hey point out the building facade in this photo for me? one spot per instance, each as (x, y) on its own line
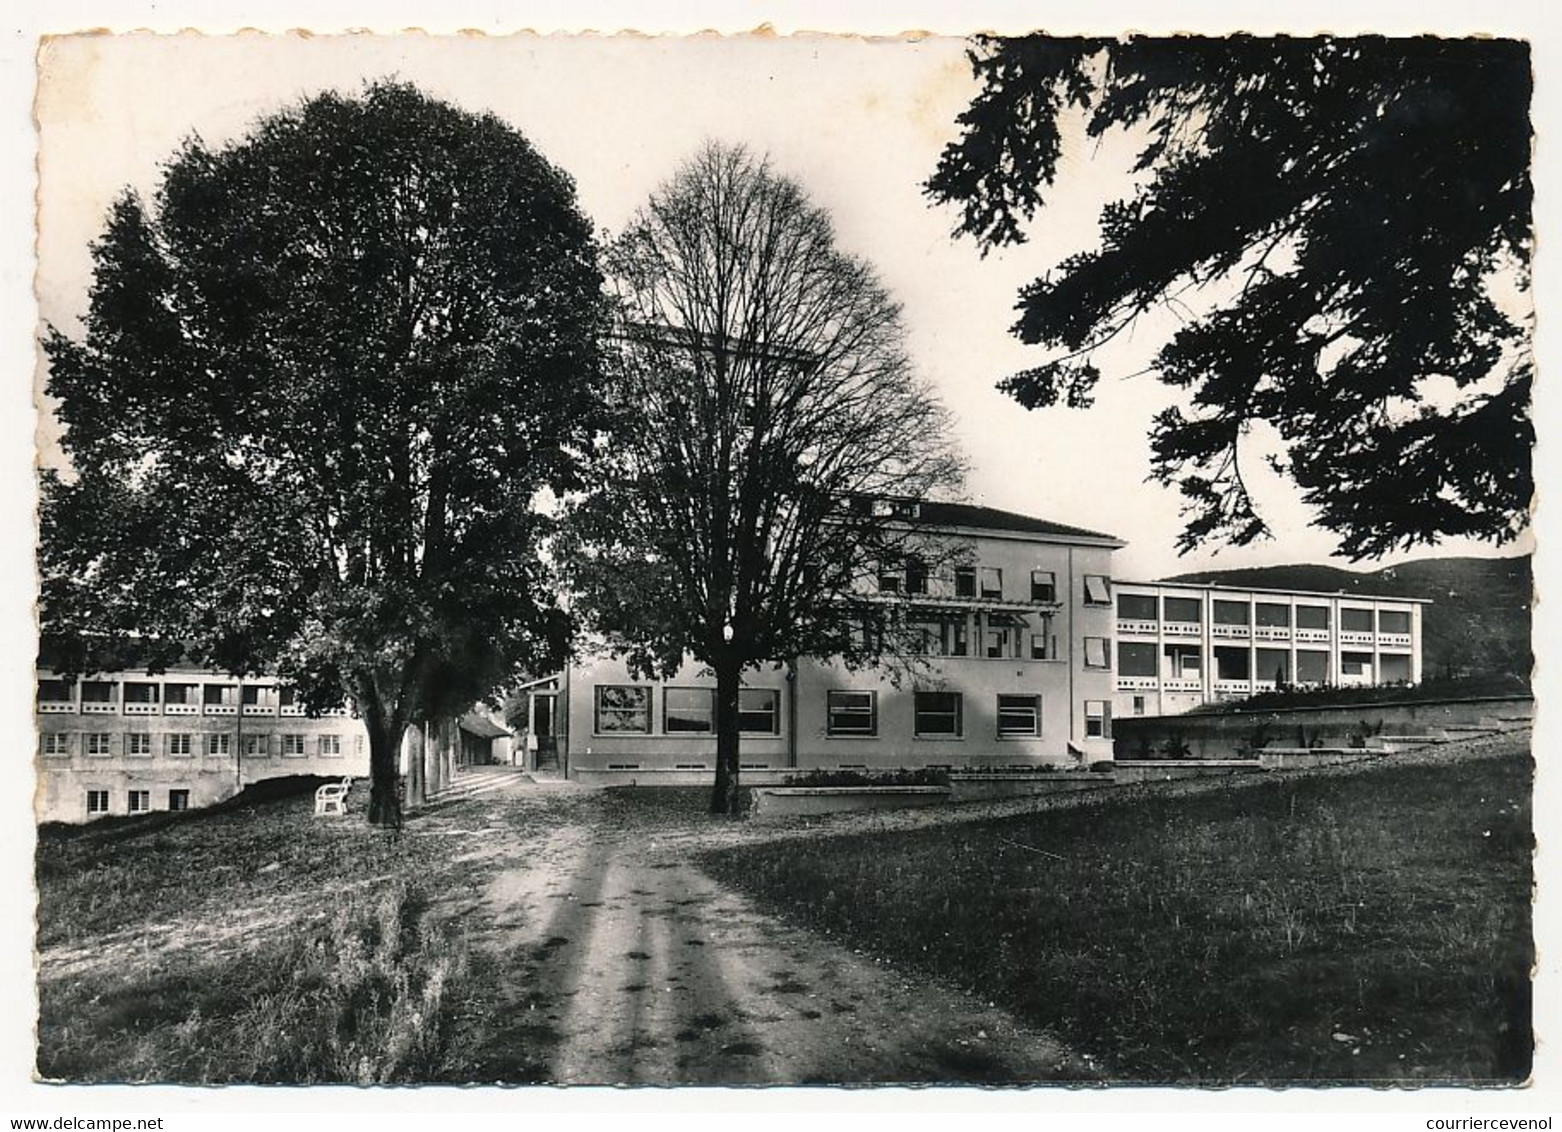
(1011, 666)
(128, 742)
(1179, 646)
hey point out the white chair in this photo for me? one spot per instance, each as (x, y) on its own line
(332, 797)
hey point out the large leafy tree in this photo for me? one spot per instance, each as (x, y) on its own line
(765, 414)
(1353, 209)
(325, 378)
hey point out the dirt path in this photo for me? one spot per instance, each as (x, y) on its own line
(617, 963)
(612, 960)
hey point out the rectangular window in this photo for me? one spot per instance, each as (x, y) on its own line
(1312, 616)
(1273, 664)
(257, 746)
(623, 709)
(1136, 658)
(1184, 610)
(925, 638)
(1232, 664)
(139, 744)
(1355, 620)
(54, 692)
(889, 581)
(139, 801)
(1043, 585)
(330, 746)
(287, 697)
(852, 714)
(100, 743)
(97, 691)
(1393, 621)
(1096, 655)
(1230, 612)
(219, 744)
(759, 711)
(55, 743)
(177, 694)
(1312, 666)
(1039, 649)
(937, 715)
(179, 743)
(959, 645)
(1019, 716)
(140, 692)
(1183, 662)
(97, 801)
(1137, 607)
(916, 576)
(293, 745)
(1138, 705)
(965, 581)
(1356, 663)
(689, 711)
(1272, 614)
(998, 642)
(220, 695)
(1098, 719)
(1098, 589)
(992, 582)
(178, 800)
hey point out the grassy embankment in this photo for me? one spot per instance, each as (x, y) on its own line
(252, 943)
(1363, 928)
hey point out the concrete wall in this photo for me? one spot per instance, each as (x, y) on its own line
(1220, 736)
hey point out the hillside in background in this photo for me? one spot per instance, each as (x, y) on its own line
(1478, 624)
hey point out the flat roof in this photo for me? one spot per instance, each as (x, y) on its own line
(1288, 593)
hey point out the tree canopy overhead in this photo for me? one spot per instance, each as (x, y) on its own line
(761, 386)
(325, 375)
(1357, 205)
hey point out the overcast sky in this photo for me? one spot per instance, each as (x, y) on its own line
(859, 124)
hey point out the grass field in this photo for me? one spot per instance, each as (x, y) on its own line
(318, 960)
(1365, 928)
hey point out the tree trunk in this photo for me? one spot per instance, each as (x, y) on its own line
(724, 799)
(384, 777)
(417, 793)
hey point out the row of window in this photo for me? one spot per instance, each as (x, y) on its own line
(1140, 658)
(174, 693)
(1266, 614)
(625, 709)
(136, 801)
(1002, 636)
(987, 582)
(219, 744)
(941, 715)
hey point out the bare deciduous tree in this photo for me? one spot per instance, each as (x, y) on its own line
(766, 418)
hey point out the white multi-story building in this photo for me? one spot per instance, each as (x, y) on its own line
(1181, 645)
(1013, 667)
(129, 742)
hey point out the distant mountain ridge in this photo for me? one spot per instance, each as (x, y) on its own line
(1477, 625)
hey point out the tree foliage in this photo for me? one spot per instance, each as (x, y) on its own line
(1356, 205)
(763, 402)
(324, 377)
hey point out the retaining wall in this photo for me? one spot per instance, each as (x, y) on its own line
(1216, 736)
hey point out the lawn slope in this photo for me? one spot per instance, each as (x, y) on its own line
(1372, 927)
